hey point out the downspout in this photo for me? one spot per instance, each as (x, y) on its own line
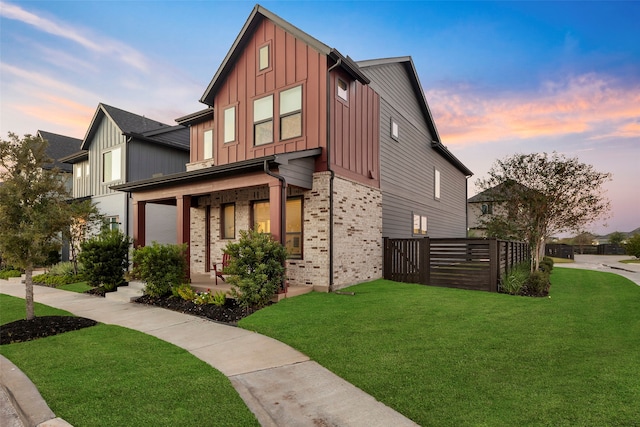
(331, 172)
(127, 194)
(283, 207)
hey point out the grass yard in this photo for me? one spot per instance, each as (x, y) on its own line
(112, 376)
(450, 357)
(79, 287)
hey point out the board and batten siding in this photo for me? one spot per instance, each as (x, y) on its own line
(407, 166)
(292, 63)
(81, 180)
(106, 137)
(147, 160)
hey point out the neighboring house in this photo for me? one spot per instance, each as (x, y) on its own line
(326, 154)
(60, 146)
(121, 147)
(482, 207)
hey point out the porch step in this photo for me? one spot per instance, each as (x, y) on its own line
(127, 293)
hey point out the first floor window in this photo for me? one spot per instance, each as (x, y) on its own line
(111, 165)
(229, 221)
(263, 120)
(291, 113)
(112, 222)
(293, 227)
(293, 240)
(208, 144)
(419, 224)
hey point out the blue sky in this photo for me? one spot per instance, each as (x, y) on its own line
(500, 77)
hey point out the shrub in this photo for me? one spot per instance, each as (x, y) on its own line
(546, 265)
(632, 247)
(219, 298)
(52, 280)
(5, 274)
(256, 268)
(62, 269)
(184, 291)
(512, 282)
(161, 266)
(105, 258)
(538, 283)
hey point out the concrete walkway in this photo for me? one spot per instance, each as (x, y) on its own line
(608, 263)
(280, 385)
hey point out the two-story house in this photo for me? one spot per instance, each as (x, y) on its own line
(326, 154)
(60, 146)
(121, 147)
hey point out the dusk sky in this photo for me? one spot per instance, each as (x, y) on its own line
(500, 77)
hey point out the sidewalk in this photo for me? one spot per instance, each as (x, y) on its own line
(608, 263)
(280, 385)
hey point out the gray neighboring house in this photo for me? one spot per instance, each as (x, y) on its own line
(121, 147)
(423, 185)
(60, 146)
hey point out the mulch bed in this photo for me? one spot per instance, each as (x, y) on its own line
(41, 327)
(229, 313)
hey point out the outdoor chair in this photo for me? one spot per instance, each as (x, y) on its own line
(219, 271)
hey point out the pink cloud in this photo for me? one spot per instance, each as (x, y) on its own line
(576, 105)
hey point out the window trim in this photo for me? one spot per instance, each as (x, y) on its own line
(204, 144)
(290, 113)
(263, 121)
(266, 45)
(111, 151)
(394, 126)
(301, 232)
(224, 124)
(340, 91)
(223, 224)
(436, 184)
(253, 215)
(422, 224)
(111, 221)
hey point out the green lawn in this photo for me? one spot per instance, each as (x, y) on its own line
(450, 357)
(79, 287)
(112, 376)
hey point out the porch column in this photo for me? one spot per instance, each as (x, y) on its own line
(139, 223)
(277, 210)
(183, 226)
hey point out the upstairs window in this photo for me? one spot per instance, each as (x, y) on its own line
(263, 120)
(395, 130)
(291, 113)
(343, 90)
(230, 124)
(86, 169)
(111, 165)
(263, 58)
(78, 171)
(208, 144)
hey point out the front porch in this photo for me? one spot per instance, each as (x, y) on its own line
(202, 282)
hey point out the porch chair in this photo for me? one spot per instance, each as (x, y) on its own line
(224, 264)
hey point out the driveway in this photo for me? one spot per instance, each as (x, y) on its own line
(609, 263)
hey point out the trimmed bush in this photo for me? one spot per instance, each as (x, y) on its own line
(546, 265)
(538, 283)
(53, 280)
(256, 268)
(162, 267)
(105, 258)
(5, 274)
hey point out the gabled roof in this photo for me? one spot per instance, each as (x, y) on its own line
(197, 117)
(127, 122)
(407, 62)
(59, 147)
(257, 15)
(498, 193)
(173, 136)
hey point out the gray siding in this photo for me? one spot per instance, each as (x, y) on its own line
(147, 160)
(81, 183)
(407, 165)
(107, 136)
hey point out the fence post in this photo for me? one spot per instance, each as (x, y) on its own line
(425, 260)
(386, 262)
(494, 265)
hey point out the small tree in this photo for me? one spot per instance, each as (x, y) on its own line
(85, 218)
(104, 258)
(545, 195)
(617, 237)
(632, 247)
(256, 268)
(161, 266)
(33, 208)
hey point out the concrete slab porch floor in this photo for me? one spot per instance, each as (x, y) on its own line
(280, 385)
(206, 281)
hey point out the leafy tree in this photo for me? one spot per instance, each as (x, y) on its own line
(632, 247)
(546, 195)
(85, 219)
(617, 237)
(104, 258)
(256, 268)
(33, 207)
(583, 239)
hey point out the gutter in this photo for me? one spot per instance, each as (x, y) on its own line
(332, 173)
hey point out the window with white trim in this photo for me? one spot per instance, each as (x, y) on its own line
(436, 186)
(263, 58)
(291, 113)
(208, 144)
(419, 224)
(263, 120)
(78, 170)
(112, 222)
(230, 124)
(111, 165)
(395, 130)
(343, 90)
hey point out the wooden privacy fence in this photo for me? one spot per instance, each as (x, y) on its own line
(476, 264)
